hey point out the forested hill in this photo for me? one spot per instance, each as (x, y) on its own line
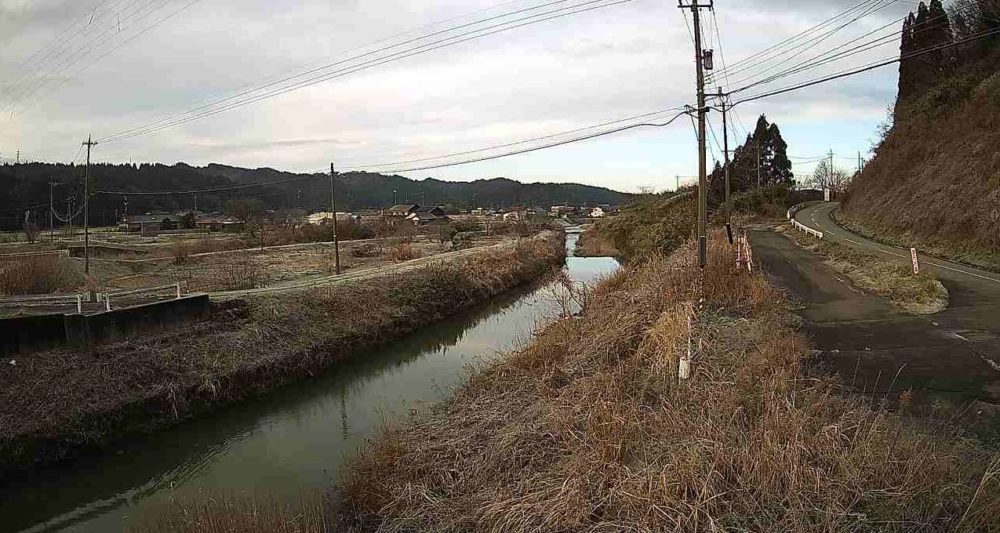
(26, 187)
(935, 180)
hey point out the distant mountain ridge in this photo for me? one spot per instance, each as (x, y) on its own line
(26, 188)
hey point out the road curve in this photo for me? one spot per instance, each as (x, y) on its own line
(955, 352)
(820, 217)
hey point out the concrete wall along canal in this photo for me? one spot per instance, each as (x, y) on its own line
(25, 334)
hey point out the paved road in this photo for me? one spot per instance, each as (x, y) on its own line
(955, 352)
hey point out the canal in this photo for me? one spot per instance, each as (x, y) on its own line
(288, 443)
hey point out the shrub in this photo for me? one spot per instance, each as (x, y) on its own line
(402, 251)
(242, 272)
(38, 275)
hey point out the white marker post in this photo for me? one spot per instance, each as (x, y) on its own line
(916, 264)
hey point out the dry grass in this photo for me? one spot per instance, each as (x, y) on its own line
(56, 401)
(242, 272)
(588, 429)
(401, 251)
(594, 243)
(920, 294)
(935, 181)
(39, 275)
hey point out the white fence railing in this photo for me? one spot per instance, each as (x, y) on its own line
(46, 301)
(175, 289)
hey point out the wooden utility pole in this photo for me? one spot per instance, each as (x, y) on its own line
(725, 149)
(333, 208)
(52, 236)
(86, 209)
(700, 61)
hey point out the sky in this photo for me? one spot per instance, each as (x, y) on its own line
(73, 68)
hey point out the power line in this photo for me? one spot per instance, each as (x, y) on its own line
(866, 68)
(525, 141)
(543, 147)
(135, 36)
(318, 75)
(45, 76)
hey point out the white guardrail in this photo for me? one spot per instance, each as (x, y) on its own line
(790, 215)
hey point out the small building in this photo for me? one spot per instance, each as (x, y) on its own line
(402, 210)
(598, 212)
(562, 211)
(149, 223)
(422, 216)
(324, 218)
(216, 223)
(516, 215)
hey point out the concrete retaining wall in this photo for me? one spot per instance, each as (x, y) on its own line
(26, 334)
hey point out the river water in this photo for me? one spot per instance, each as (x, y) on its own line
(288, 443)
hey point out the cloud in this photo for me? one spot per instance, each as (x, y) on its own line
(562, 74)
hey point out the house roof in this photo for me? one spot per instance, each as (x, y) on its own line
(426, 215)
(151, 218)
(403, 208)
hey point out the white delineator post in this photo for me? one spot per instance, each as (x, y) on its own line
(684, 365)
(916, 263)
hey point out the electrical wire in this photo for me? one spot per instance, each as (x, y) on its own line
(323, 74)
(866, 68)
(525, 141)
(65, 79)
(80, 52)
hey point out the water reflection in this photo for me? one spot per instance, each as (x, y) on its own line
(284, 443)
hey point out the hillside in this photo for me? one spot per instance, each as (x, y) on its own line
(935, 180)
(26, 188)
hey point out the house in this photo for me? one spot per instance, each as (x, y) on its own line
(149, 223)
(402, 210)
(537, 212)
(516, 214)
(324, 217)
(214, 223)
(562, 210)
(422, 216)
(598, 212)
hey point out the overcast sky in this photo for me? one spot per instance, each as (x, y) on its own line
(555, 76)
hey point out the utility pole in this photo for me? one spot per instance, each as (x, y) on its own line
(52, 184)
(86, 209)
(700, 60)
(725, 149)
(333, 208)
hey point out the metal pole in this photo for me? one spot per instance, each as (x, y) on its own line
(333, 208)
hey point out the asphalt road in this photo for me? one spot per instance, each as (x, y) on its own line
(877, 349)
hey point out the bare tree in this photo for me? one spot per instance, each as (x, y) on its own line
(31, 232)
(828, 177)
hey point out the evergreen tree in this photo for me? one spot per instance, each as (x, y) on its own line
(764, 148)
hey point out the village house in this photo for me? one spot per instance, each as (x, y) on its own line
(401, 210)
(324, 218)
(149, 223)
(422, 216)
(216, 223)
(562, 210)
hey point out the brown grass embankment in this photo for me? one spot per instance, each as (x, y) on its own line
(588, 429)
(916, 294)
(595, 243)
(934, 183)
(57, 401)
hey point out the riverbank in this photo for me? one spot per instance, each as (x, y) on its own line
(58, 402)
(588, 428)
